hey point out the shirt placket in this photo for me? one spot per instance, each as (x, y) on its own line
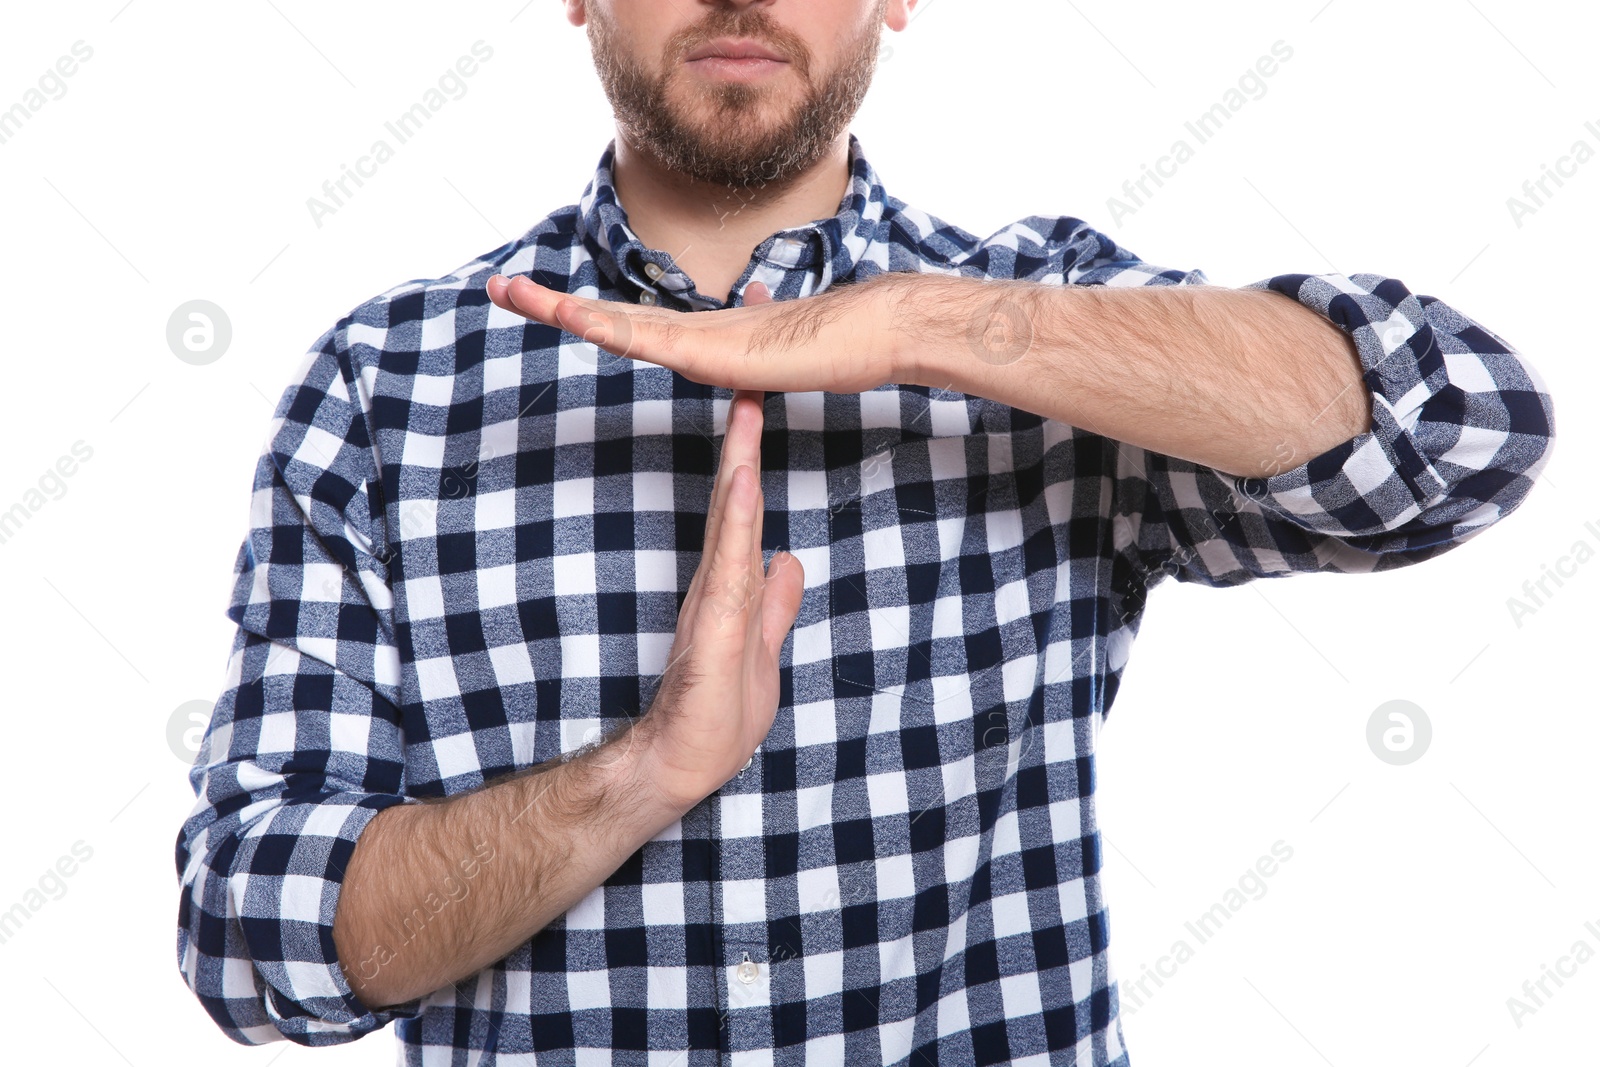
(746, 967)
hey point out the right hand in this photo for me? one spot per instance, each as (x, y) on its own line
(719, 696)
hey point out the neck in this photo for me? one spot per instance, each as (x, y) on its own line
(710, 230)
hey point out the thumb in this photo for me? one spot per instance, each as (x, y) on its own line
(780, 599)
(757, 293)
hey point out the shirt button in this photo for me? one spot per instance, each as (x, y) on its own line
(647, 297)
(654, 271)
(749, 970)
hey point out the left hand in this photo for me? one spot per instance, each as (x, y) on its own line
(840, 341)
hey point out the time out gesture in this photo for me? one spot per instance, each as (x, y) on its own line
(1246, 381)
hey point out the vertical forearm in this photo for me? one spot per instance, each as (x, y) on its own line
(437, 891)
(490, 868)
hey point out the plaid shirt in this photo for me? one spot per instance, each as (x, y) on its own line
(469, 537)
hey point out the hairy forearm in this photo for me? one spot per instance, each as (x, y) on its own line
(1245, 381)
(435, 892)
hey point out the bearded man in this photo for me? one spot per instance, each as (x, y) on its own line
(681, 635)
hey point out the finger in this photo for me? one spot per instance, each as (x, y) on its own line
(754, 462)
(496, 287)
(757, 293)
(719, 483)
(729, 585)
(756, 576)
(609, 324)
(738, 411)
(741, 444)
(755, 544)
(780, 600)
(521, 295)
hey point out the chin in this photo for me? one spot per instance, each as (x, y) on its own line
(766, 104)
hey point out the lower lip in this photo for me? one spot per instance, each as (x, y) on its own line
(746, 68)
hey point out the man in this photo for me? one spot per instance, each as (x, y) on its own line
(551, 735)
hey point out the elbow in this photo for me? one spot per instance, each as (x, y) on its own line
(229, 991)
(240, 996)
(255, 951)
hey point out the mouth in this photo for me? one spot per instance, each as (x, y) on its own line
(735, 58)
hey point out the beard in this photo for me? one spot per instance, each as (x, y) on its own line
(728, 135)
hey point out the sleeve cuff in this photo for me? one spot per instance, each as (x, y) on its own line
(1379, 480)
(287, 889)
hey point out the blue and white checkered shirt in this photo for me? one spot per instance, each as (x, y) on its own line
(469, 537)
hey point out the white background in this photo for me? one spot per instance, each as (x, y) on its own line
(1419, 898)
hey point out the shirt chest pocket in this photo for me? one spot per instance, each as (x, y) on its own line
(927, 594)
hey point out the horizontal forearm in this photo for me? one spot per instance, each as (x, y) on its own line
(1244, 381)
(437, 891)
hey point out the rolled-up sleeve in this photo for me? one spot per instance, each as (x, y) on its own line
(1462, 426)
(305, 744)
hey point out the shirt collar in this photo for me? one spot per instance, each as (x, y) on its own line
(817, 252)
